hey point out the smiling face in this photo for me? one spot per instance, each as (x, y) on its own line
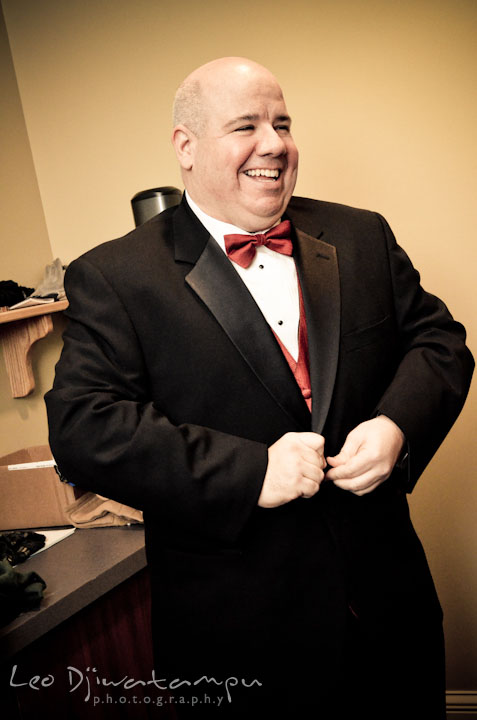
(241, 167)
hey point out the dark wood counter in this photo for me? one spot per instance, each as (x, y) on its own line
(93, 624)
(78, 570)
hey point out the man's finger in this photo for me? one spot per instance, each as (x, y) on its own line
(361, 485)
(351, 469)
(313, 457)
(310, 488)
(312, 471)
(339, 459)
(312, 440)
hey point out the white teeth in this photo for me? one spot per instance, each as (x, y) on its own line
(263, 173)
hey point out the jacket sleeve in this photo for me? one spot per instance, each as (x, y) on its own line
(433, 376)
(108, 436)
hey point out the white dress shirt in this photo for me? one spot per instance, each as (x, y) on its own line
(270, 278)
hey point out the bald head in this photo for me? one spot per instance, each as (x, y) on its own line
(194, 94)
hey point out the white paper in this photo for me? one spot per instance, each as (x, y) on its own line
(32, 465)
(53, 536)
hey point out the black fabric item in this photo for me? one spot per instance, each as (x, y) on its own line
(12, 293)
(17, 546)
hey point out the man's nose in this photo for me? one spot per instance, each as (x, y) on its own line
(270, 142)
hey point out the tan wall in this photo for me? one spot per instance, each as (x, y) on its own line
(25, 251)
(383, 97)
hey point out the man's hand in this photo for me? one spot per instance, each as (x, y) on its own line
(367, 457)
(295, 469)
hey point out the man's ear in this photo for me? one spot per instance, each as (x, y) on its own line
(183, 140)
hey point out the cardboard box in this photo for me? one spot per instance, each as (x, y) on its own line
(33, 497)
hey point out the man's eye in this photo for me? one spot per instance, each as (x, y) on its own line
(244, 128)
(282, 128)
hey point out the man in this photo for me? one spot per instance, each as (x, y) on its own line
(279, 540)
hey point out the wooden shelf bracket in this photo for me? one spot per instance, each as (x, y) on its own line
(19, 330)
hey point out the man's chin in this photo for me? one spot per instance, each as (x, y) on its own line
(262, 216)
(258, 222)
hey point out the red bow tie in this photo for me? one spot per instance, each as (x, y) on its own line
(241, 248)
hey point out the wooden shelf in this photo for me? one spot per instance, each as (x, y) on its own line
(20, 330)
(7, 316)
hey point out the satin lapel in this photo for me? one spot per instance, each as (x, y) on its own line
(317, 268)
(215, 281)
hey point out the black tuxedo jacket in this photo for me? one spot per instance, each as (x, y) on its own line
(171, 386)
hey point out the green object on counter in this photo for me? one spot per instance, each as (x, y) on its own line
(19, 591)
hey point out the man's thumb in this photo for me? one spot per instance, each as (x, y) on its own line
(339, 459)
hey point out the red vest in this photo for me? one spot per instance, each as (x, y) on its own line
(300, 367)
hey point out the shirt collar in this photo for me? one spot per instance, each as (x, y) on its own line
(217, 228)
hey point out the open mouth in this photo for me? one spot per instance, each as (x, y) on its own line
(264, 173)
